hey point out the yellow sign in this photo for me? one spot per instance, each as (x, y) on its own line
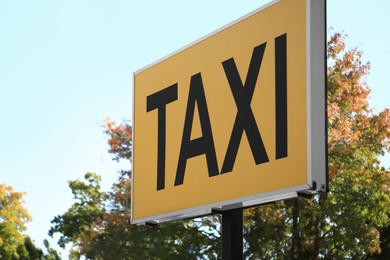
(235, 119)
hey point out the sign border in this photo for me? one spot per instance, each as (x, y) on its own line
(316, 89)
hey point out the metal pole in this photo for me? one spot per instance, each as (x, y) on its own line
(232, 234)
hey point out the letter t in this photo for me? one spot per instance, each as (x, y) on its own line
(159, 101)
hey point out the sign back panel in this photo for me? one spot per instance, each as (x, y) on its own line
(235, 119)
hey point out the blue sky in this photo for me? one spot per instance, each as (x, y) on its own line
(67, 65)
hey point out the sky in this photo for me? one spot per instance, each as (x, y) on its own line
(67, 65)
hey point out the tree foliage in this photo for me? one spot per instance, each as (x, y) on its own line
(13, 220)
(78, 224)
(346, 222)
(14, 244)
(98, 223)
(351, 221)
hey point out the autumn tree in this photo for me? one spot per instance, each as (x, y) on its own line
(98, 223)
(78, 224)
(346, 222)
(14, 244)
(13, 220)
(351, 221)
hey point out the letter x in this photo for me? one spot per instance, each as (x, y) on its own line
(245, 120)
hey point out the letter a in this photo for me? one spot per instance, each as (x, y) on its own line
(205, 143)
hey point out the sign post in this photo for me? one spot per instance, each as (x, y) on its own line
(234, 120)
(232, 234)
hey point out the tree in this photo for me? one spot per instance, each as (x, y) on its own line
(52, 254)
(357, 206)
(178, 239)
(77, 225)
(100, 228)
(346, 222)
(13, 219)
(98, 223)
(351, 221)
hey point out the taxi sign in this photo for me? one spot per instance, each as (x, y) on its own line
(235, 119)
